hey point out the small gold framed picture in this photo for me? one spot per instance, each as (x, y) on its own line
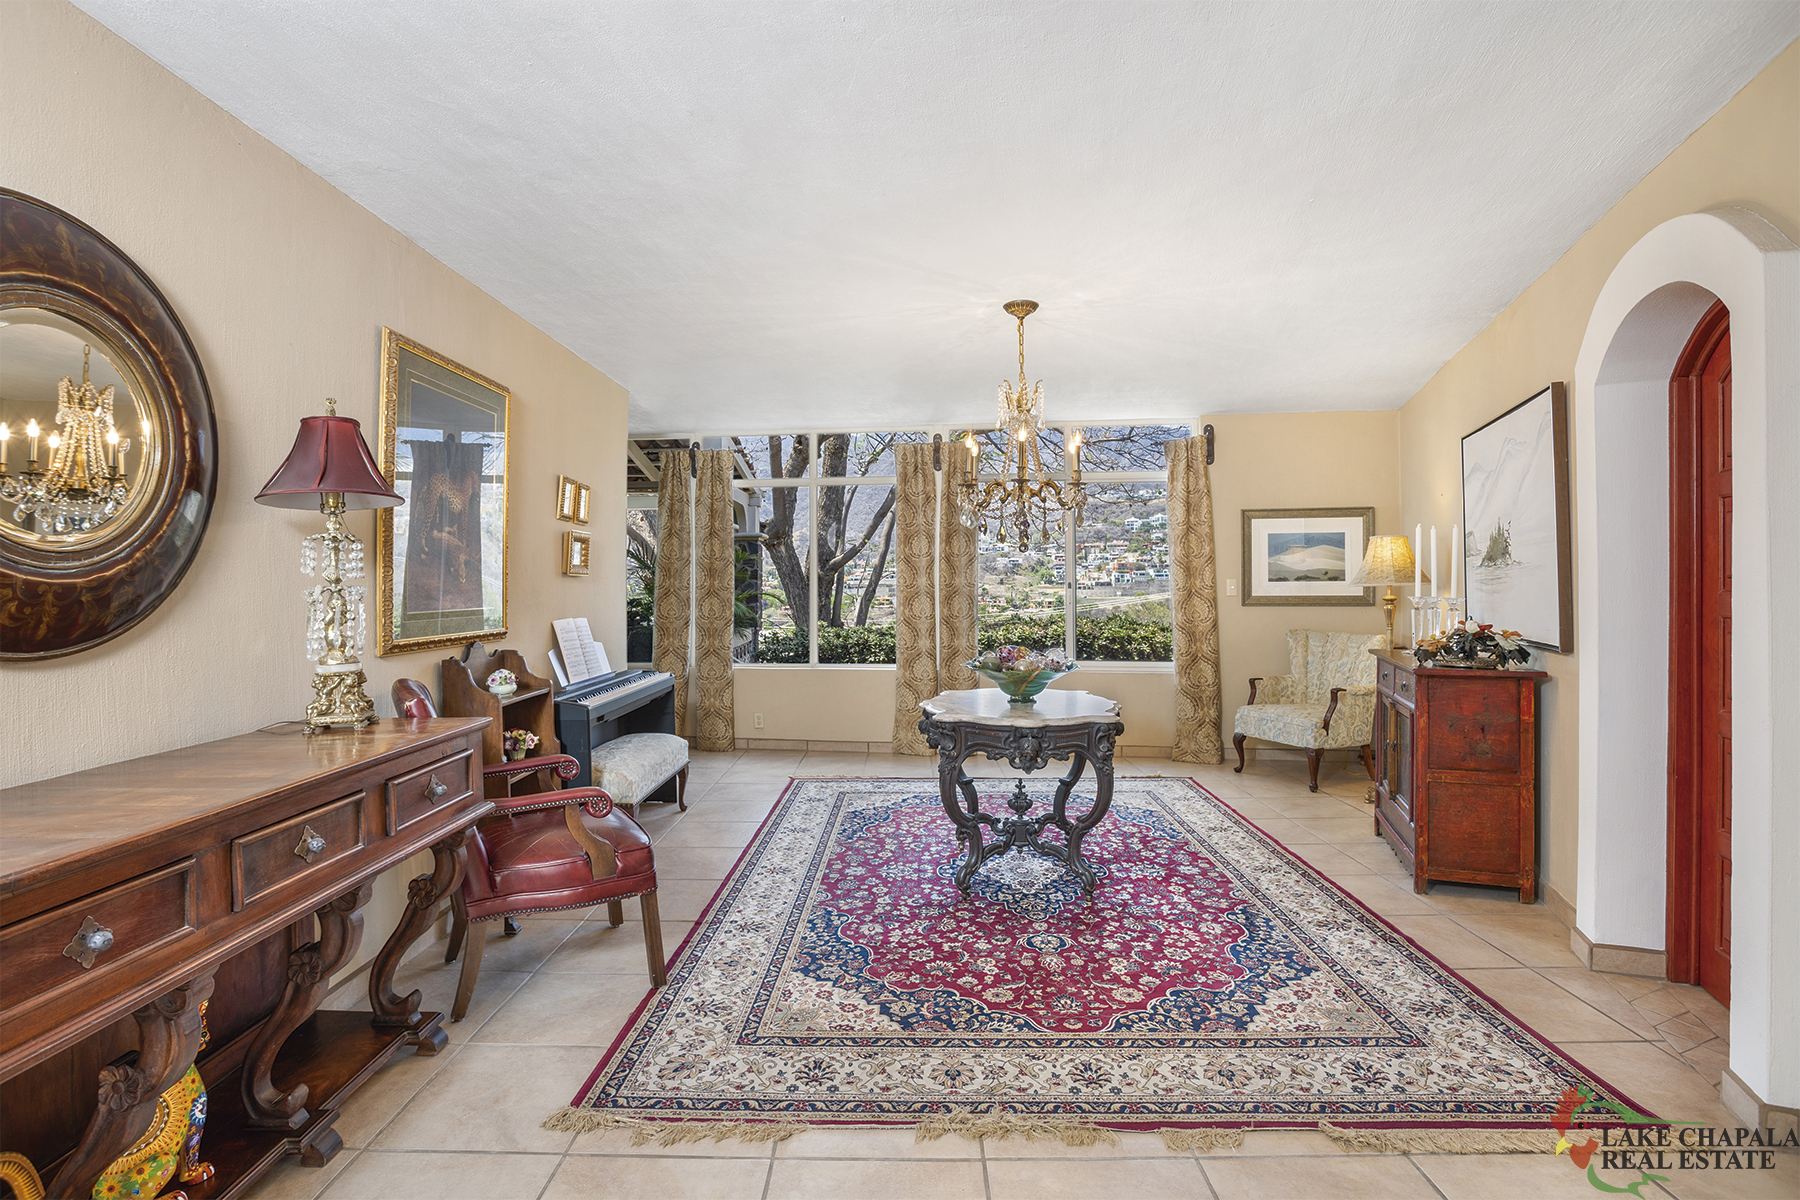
(571, 499)
(577, 557)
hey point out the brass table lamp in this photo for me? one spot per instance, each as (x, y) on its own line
(1387, 561)
(330, 466)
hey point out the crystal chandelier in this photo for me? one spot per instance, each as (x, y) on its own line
(84, 485)
(1029, 496)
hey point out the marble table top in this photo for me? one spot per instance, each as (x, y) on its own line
(989, 706)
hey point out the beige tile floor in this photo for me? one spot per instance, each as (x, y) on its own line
(466, 1123)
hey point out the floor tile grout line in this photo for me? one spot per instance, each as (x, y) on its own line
(1429, 1181)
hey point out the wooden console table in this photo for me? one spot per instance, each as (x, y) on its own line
(1456, 772)
(233, 871)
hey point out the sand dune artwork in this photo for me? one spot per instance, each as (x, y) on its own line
(1304, 556)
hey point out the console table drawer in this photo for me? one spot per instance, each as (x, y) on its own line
(424, 791)
(280, 854)
(128, 921)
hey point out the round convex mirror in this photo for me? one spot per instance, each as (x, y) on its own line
(108, 448)
(78, 453)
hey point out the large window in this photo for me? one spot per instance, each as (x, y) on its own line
(817, 580)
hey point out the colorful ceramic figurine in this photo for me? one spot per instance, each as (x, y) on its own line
(170, 1148)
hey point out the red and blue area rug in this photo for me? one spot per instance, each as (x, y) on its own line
(1213, 983)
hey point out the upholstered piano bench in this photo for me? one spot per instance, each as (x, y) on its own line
(631, 768)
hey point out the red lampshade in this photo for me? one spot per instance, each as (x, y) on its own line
(329, 455)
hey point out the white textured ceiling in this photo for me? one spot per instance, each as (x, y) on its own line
(760, 215)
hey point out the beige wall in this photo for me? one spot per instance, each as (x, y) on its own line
(283, 284)
(1748, 154)
(1280, 460)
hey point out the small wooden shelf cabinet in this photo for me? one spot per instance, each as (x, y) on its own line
(532, 707)
(1456, 772)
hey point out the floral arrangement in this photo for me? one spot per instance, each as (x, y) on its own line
(1018, 658)
(1020, 673)
(518, 743)
(502, 682)
(1472, 644)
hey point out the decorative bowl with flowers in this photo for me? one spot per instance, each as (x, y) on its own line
(1020, 673)
(1472, 644)
(518, 743)
(502, 683)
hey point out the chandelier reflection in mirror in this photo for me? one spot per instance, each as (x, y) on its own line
(1028, 497)
(84, 484)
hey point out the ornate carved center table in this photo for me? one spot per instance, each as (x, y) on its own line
(1061, 724)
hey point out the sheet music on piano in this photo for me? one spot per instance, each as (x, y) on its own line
(583, 658)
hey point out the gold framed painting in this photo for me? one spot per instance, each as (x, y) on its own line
(577, 553)
(572, 500)
(1304, 557)
(440, 558)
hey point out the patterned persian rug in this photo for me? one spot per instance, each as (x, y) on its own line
(1214, 983)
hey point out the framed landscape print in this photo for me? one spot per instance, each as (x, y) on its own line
(440, 557)
(1304, 556)
(1517, 549)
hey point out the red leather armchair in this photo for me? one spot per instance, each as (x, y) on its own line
(549, 850)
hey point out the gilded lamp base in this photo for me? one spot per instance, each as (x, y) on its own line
(339, 699)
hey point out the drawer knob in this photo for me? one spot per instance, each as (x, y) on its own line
(90, 942)
(311, 844)
(437, 787)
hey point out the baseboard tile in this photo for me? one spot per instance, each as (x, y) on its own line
(1754, 1111)
(1618, 960)
(815, 747)
(1559, 906)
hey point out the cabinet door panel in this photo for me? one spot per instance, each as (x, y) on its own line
(1474, 827)
(1475, 729)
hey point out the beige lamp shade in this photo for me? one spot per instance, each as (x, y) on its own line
(1388, 560)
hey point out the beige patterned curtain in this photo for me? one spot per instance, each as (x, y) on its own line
(714, 593)
(1196, 604)
(674, 535)
(915, 599)
(956, 576)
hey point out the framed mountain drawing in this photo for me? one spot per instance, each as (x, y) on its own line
(1517, 548)
(1304, 556)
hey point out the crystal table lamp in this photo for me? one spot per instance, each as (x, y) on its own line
(1387, 561)
(330, 466)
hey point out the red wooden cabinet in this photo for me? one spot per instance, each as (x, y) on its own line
(1456, 772)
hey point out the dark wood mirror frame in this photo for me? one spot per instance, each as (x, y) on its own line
(55, 602)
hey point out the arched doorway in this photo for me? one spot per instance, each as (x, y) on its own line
(1698, 926)
(1642, 318)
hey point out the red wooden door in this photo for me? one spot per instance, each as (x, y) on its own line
(1700, 663)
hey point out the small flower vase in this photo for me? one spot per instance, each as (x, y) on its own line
(516, 753)
(504, 690)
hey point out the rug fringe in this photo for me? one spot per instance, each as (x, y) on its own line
(1001, 1126)
(670, 1133)
(1181, 1141)
(1443, 1141)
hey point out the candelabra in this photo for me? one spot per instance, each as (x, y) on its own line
(1030, 492)
(1432, 615)
(84, 485)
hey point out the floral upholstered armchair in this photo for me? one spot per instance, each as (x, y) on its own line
(1327, 702)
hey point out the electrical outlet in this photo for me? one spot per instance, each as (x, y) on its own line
(759, 720)
(1231, 587)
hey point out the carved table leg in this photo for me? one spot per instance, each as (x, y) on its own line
(168, 1039)
(951, 781)
(309, 971)
(422, 895)
(1065, 786)
(1101, 756)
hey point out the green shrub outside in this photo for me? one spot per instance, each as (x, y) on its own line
(1115, 637)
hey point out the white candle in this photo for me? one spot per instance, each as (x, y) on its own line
(1418, 559)
(1434, 563)
(1456, 553)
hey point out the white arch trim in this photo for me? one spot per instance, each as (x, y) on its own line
(1620, 416)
